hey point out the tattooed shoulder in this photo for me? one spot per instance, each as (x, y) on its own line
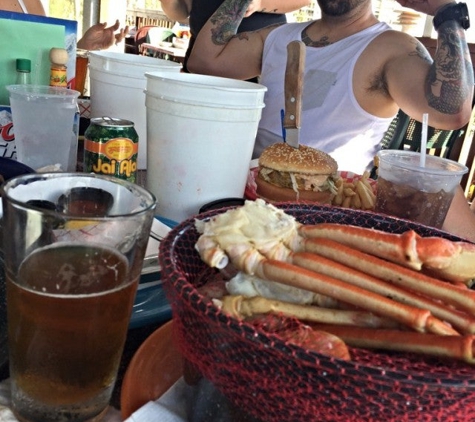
(421, 52)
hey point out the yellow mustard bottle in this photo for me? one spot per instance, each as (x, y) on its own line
(58, 74)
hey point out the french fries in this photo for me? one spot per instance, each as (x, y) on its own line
(357, 194)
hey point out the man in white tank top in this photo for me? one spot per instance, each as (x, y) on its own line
(359, 73)
(328, 96)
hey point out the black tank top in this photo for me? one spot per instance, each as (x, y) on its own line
(202, 10)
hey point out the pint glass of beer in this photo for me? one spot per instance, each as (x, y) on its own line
(74, 246)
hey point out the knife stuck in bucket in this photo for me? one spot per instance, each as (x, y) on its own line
(294, 78)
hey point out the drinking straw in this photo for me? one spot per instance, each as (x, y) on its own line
(425, 119)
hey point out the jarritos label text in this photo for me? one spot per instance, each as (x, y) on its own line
(116, 157)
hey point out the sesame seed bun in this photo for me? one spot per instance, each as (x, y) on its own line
(282, 157)
(301, 174)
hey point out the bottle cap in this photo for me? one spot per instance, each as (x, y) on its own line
(58, 56)
(23, 65)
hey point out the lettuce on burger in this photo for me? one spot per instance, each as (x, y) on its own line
(290, 174)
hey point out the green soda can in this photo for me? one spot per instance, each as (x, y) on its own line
(111, 147)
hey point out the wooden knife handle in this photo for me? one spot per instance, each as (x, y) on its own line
(294, 75)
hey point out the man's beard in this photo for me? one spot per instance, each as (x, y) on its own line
(338, 7)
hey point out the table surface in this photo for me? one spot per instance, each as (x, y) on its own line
(166, 53)
(177, 52)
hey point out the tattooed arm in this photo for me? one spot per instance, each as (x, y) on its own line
(275, 6)
(219, 51)
(447, 80)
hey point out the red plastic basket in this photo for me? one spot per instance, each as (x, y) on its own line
(273, 380)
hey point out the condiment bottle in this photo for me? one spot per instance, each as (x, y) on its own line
(58, 75)
(23, 71)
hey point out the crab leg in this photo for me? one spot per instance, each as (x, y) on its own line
(241, 307)
(388, 271)
(242, 253)
(453, 261)
(314, 262)
(318, 341)
(418, 319)
(399, 248)
(211, 253)
(245, 233)
(459, 269)
(458, 347)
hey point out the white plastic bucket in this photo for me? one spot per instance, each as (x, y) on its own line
(117, 84)
(201, 132)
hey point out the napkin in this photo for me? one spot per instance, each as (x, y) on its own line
(185, 403)
(160, 230)
(169, 408)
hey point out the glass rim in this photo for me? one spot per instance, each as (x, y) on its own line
(146, 195)
(45, 91)
(457, 169)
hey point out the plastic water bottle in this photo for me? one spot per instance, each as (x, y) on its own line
(23, 71)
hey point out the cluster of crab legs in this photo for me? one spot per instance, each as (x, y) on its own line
(387, 291)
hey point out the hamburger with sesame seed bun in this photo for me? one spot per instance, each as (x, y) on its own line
(290, 174)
